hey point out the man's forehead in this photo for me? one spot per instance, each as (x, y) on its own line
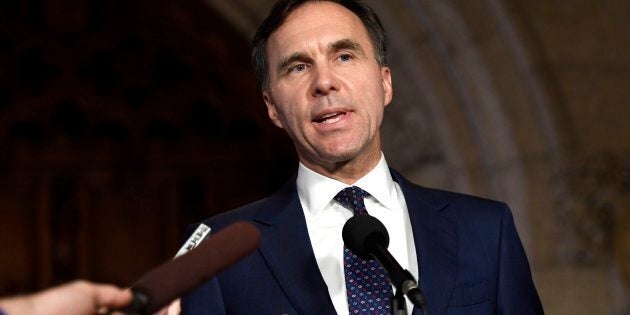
(325, 21)
(310, 9)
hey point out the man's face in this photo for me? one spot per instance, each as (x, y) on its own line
(326, 88)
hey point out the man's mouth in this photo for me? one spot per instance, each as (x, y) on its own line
(330, 118)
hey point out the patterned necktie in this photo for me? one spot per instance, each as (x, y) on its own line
(367, 286)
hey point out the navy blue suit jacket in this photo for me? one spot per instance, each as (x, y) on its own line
(470, 258)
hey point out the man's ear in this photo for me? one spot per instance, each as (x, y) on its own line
(386, 76)
(271, 109)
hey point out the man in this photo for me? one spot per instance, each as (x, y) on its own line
(325, 81)
(75, 298)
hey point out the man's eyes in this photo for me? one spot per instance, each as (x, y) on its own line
(300, 67)
(345, 57)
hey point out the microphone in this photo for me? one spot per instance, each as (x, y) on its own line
(177, 277)
(201, 233)
(367, 237)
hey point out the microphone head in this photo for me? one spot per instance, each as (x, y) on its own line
(175, 278)
(362, 232)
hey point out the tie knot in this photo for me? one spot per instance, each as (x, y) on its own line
(352, 198)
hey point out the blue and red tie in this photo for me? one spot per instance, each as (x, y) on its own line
(367, 286)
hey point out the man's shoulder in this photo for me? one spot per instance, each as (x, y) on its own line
(252, 210)
(450, 201)
(221, 220)
(459, 199)
(468, 213)
(243, 213)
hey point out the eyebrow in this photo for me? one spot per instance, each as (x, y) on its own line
(346, 44)
(285, 62)
(342, 44)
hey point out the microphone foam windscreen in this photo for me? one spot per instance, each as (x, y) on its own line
(361, 231)
(179, 276)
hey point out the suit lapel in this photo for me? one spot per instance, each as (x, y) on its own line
(286, 247)
(435, 238)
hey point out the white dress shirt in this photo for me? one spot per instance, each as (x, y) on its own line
(325, 219)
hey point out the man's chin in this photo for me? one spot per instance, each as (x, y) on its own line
(338, 156)
(336, 160)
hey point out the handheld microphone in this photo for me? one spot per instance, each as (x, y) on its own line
(367, 237)
(177, 277)
(201, 233)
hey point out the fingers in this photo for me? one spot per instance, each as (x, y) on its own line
(98, 298)
(77, 298)
(173, 308)
(110, 296)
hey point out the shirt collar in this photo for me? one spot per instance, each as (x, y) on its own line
(316, 191)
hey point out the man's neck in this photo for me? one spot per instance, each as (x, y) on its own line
(347, 172)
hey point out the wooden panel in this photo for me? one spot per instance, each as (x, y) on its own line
(121, 123)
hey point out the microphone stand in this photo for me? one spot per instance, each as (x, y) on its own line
(399, 305)
(400, 278)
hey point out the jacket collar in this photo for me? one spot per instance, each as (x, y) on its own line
(286, 247)
(283, 226)
(435, 238)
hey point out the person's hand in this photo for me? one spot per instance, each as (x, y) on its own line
(171, 309)
(75, 298)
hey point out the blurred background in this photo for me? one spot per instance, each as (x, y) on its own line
(121, 122)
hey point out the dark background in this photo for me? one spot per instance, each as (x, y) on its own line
(121, 122)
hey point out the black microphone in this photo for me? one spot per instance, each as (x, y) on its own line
(367, 237)
(175, 278)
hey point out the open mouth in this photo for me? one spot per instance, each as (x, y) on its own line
(330, 118)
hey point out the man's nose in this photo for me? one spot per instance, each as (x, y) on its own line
(325, 80)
